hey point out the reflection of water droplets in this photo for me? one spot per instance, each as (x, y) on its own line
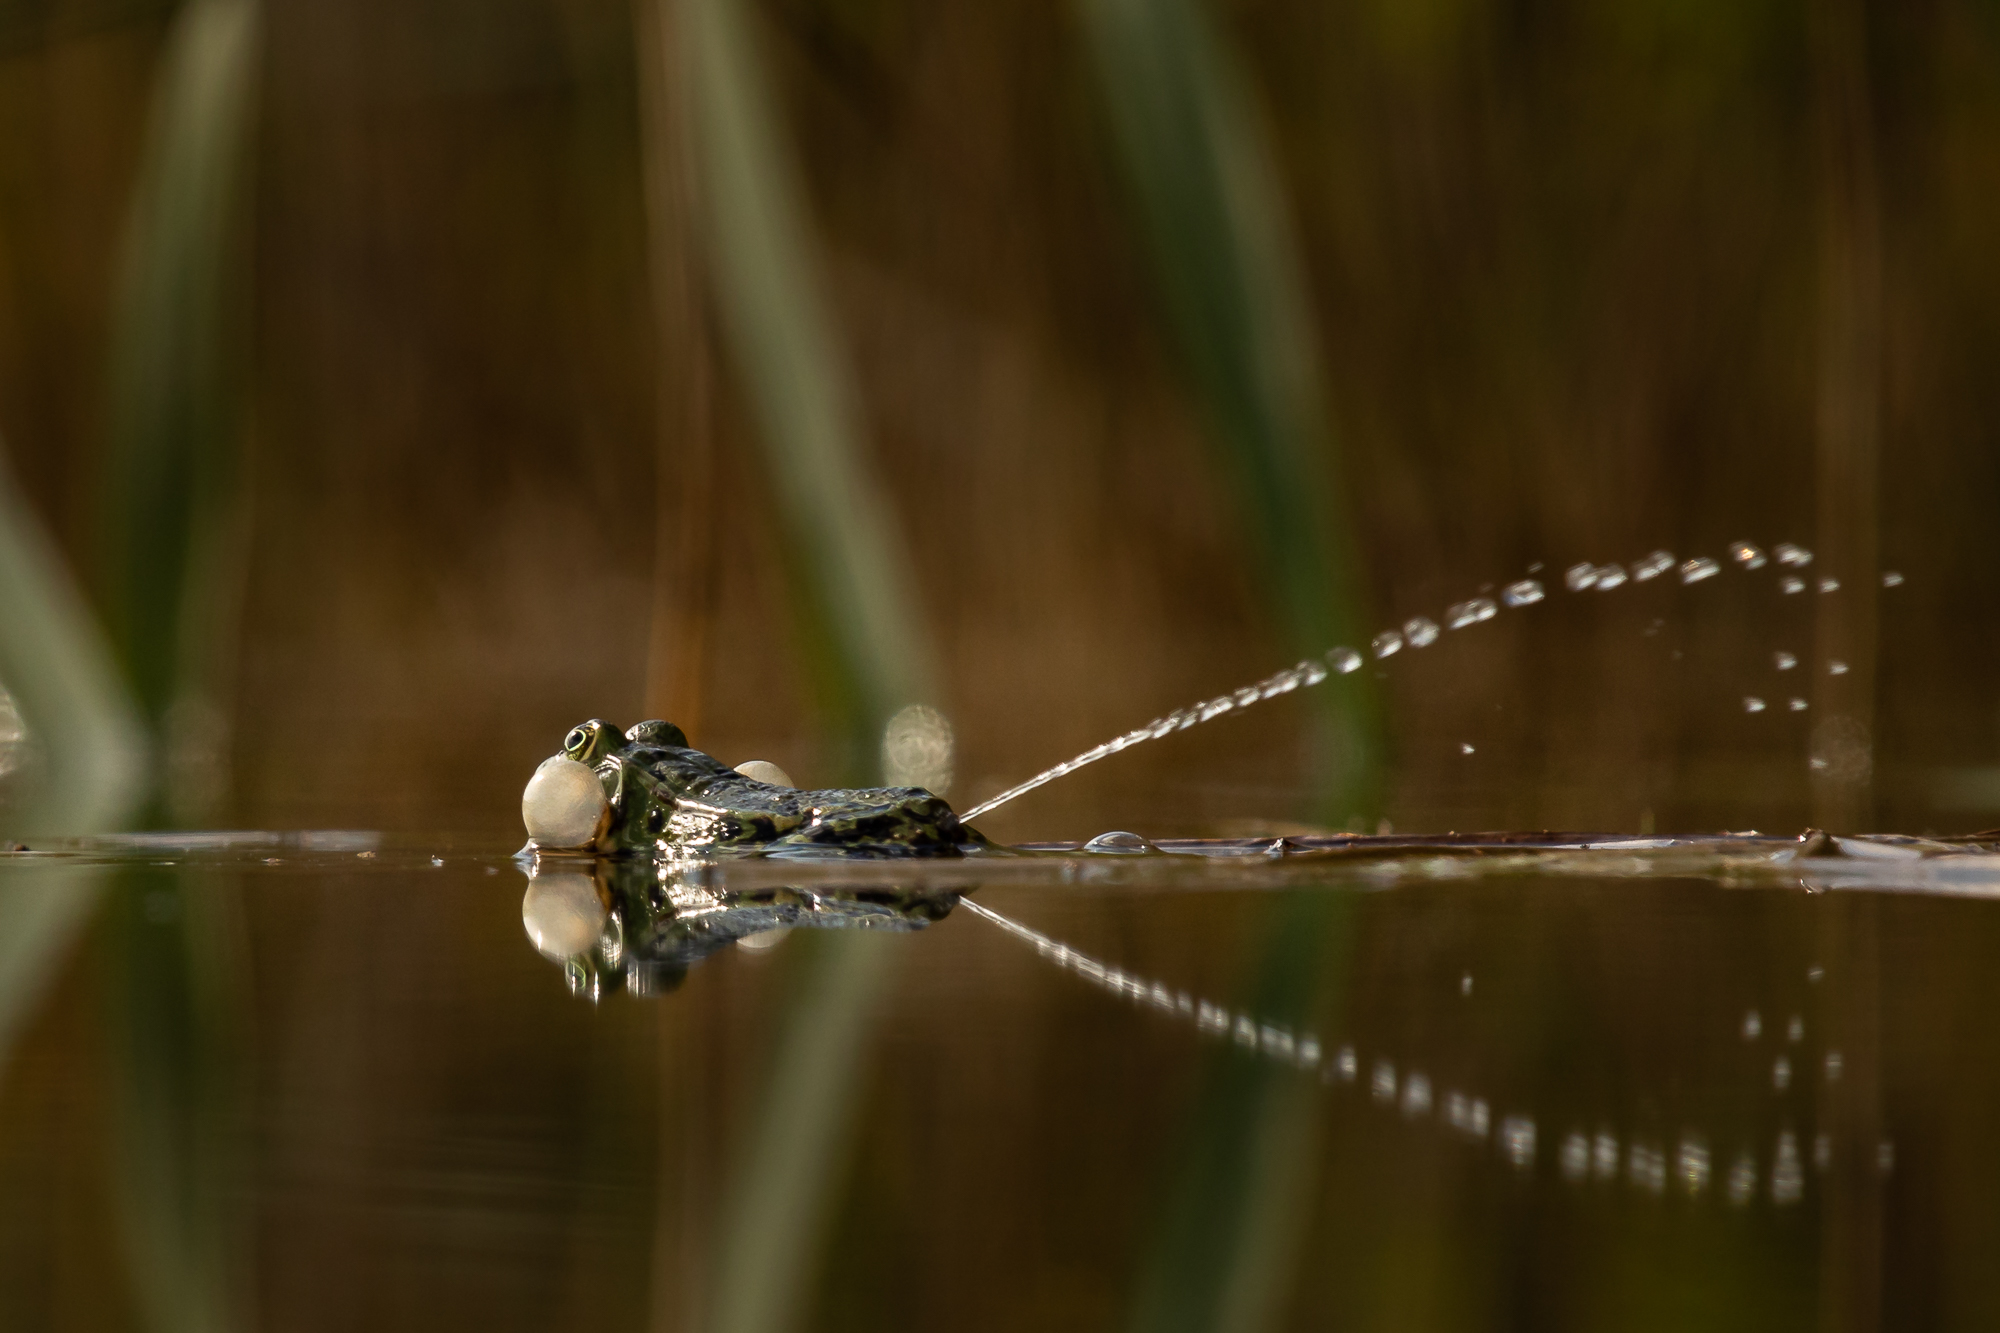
(1517, 1140)
(1796, 705)
(1578, 577)
(1788, 1181)
(1836, 668)
(1791, 583)
(1470, 613)
(1420, 632)
(1798, 557)
(1646, 1167)
(1524, 593)
(1604, 1155)
(1346, 1064)
(1829, 584)
(1892, 580)
(1699, 568)
(1691, 1164)
(1609, 577)
(1654, 565)
(1465, 747)
(1795, 1031)
(1344, 660)
(1387, 644)
(1743, 1180)
(1575, 1157)
(1118, 843)
(1781, 1074)
(1833, 1066)
(1784, 661)
(1382, 1081)
(1752, 704)
(1417, 1094)
(1747, 555)
(1753, 1026)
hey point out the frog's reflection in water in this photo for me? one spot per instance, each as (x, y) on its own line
(639, 925)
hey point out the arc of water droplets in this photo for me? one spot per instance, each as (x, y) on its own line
(1580, 1156)
(1421, 632)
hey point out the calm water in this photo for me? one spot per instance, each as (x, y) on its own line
(268, 1085)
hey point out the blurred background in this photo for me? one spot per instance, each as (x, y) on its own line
(400, 384)
(929, 392)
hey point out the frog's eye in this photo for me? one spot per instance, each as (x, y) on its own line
(577, 740)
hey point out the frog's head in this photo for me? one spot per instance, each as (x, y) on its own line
(590, 796)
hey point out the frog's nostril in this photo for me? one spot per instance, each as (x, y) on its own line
(562, 804)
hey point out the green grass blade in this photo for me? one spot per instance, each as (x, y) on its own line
(848, 556)
(1207, 196)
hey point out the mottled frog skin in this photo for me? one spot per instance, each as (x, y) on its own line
(670, 799)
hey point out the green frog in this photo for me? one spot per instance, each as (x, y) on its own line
(655, 794)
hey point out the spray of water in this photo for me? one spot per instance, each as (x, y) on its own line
(1421, 632)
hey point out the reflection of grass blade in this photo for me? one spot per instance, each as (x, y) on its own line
(1237, 1206)
(838, 522)
(1208, 197)
(781, 1192)
(177, 1019)
(60, 674)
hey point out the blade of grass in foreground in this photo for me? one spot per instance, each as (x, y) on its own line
(1205, 186)
(88, 744)
(174, 566)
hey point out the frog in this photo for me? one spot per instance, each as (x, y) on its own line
(640, 926)
(663, 798)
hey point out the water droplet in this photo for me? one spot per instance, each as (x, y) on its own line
(1524, 593)
(1795, 1030)
(1344, 660)
(1387, 644)
(1829, 584)
(1691, 1165)
(1797, 705)
(1743, 1180)
(1798, 557)
(1781, 1074)
(1468, 613)
(1420, 633)
(1834, 1064)
(1118, 843)
(1216, 707)
(1246, 696)
(1464, 747)
(1647, 1167)
(1836, 668)
(1790, 584)
(1814, 973)
(1517, 1140)
(1784, 661)
(1752, 704)
(1699, 568)
(1465, 984)
(1604, 1155)
(1382, 1082)
(1747, 555)
(1575, 1157)
(1753, 1026)
(437, 860)
(1609, 577)
(1892, 580)
(1823, 1151)
(1654, 565)
(1885, 1157)
(1346, 1064)
(1578, 577)
(1417, 1094)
